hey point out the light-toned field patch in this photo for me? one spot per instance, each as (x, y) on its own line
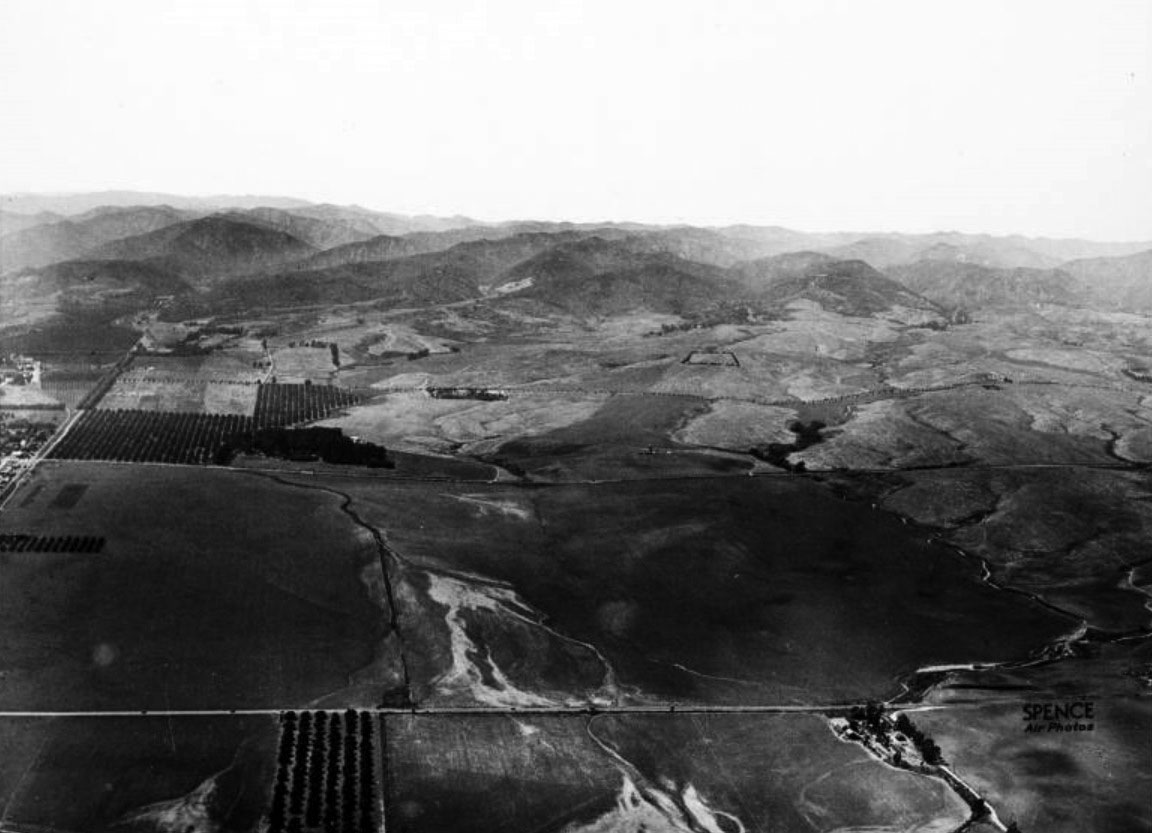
(881, 435)
(147, 394)
(225, 398)
(1071, 359)
(24, 396)
(738, 425)
(509, 508)
(1136, 445)
(815, 332)
(300, 364)
(400, 338)
(417, 422)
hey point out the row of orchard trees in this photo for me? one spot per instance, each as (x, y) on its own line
(149, 436)
(326, 773)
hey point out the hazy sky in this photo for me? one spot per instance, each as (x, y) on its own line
(1007, 116)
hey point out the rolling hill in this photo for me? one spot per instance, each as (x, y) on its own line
(75, 237)
(11, 221)
(210, 247)
(848, 287)
(970, 286)
(371, 223)
(595, 276)
(1124, 282)
(319, 233)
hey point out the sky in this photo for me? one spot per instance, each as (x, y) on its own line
(1004, 117)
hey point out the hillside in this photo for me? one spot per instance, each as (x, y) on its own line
(11, 221)
(887, 250)
(319, 233)
(211, 246)
(595, 276)
(121, 274)
(371, 223)
(379, 247)
(463, 271)
(971, 286)
(757, 274)
(53, 242)
(848, 287)
(1124, 282)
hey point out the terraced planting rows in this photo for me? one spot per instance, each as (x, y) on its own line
(326, 773)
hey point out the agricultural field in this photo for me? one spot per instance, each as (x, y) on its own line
(661, 773)
(328, 772)
(168, 435)
(282, 404)
(256, 593)
(562, 530)
(758, 557)
(181, 396)
(150, 436)
(298, 363)
(1058, 781)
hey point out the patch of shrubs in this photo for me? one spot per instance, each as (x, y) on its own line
(328, 445)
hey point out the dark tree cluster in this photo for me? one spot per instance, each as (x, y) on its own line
(306, 445)
(149, 436)
(51, 543)
(482, 394)
(928, 748)
(807, 434)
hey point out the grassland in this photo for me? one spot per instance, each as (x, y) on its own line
(1058, 782)
(971, 528)
(250, 594)
(105, 773)
(724, 591)
(657, 773)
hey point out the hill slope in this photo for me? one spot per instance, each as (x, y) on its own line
(595, 276)
(970, 286)
(848, 287)
(1125, 282)
(209, 247)
(66, 239)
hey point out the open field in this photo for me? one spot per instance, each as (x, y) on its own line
(300, 363)
(1072, 540)
(184, 396)
(716, 590)
(1057, 782)
(251, 594)
(657, 773)
(658, 517)
(153, 773)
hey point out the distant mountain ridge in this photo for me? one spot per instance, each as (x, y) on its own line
(69, 203)
(70, 238)
(958, 284)
(1124, 282)
(222, 253)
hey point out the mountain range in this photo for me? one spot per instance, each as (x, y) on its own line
(226, 253)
